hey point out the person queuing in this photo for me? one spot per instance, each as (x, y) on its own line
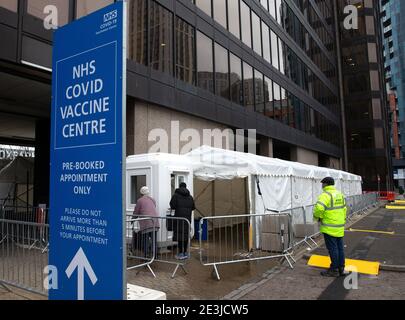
(183, 204)
(146, 207)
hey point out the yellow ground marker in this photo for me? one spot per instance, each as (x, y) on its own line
(395, 207)
(359, 266)
(372, 231)
(399, 202)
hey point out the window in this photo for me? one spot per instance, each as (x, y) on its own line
(268, 97)
(259, 93)
(291, 105)
(281, 56)
(279, 10)
(284, 106)
(266, 42)
(137, 31)
(161, 38)
(248, 86)
(220, 12)
(36, 9)
(274, 50)
(257, 35)
(233, 13)
(265, 4)
(11, 5)
(185, 51)
(246, 25)
(221, 71)
(236, 79)
(205, 66)
(204, 5)
(277, 102)
(85, 7)
(272, 9)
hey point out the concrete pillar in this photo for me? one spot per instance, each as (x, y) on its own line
(130, 128)
(304, 156)
(266, 147)
(42, 160)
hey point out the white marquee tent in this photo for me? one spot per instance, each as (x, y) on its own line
(283, 184)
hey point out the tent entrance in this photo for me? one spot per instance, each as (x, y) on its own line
(223, 198)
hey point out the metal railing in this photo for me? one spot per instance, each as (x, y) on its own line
(22, 261)
(305, 229)
(141, 234)
(172, 240)
(242, 238)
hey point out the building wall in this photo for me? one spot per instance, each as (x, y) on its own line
(304, 156)
(149, 117)
(365, 97)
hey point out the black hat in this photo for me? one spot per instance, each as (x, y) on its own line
(183, 185)
(328, 181)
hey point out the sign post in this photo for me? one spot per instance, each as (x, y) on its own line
(87, 217)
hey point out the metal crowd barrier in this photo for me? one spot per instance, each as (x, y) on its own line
(22, 263)
(305, 229)
(31, 215)
(172, 242)
(141, 234)
(26, 214)
(243, 238)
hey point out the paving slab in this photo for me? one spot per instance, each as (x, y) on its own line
(305, 283)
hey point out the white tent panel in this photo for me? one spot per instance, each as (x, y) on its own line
(276, 194)
(301, 192)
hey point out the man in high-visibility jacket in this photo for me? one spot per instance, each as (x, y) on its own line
(331, 210)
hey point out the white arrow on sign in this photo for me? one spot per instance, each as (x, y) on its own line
(82, 264)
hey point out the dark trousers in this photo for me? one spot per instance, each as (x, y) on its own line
(335, 247)
(183, 246)
(144, 242)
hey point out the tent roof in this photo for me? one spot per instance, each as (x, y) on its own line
(212, 163)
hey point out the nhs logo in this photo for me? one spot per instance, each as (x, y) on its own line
(110, 16)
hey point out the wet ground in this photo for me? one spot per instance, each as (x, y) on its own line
(199, 282)
(266, 280)
(305, 282)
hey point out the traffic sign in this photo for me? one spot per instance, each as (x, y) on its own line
(88, 157)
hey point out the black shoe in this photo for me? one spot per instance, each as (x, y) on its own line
(342, 272)
(331, 273)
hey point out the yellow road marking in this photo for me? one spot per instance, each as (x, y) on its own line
(359, 266)
(399, 201)
(372, 231)
(395, 207)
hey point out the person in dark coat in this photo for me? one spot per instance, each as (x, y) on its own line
(183, 204)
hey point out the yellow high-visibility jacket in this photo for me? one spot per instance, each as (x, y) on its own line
(331, 210)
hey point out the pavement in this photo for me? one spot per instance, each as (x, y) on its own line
(268, 280)
(305, 283)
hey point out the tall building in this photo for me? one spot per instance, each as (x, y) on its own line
(269, 65)
(394, 63)
(365, 99)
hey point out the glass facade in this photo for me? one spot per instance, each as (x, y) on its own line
(161, 38)
(167, 42)
(205, 62)
(11, 5)
(185, 48)
(199, 60)
(393, 29)
(366, 117)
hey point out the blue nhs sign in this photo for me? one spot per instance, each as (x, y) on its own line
(88, 157)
